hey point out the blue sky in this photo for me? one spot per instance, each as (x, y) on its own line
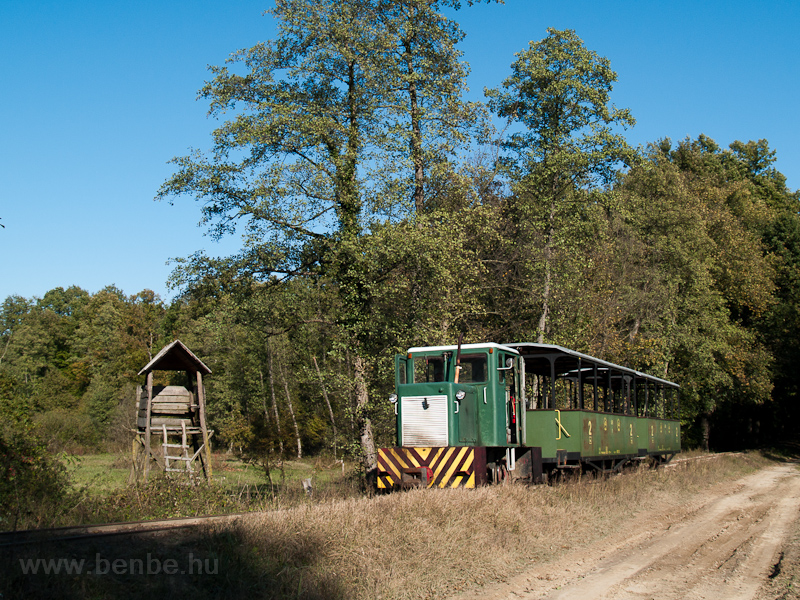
(98, 96)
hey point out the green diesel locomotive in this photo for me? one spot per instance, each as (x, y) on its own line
(481, 413)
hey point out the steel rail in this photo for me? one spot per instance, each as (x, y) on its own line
(676, 461)
(79, 532)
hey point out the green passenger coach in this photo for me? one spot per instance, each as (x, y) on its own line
(482, 413)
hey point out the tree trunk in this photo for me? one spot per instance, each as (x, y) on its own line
(327, 401)
(706, 429)
(415, 142)
(548, 259)
(274, 400)
(291, 412)
(370, 460)
(263, 395)
(634, 330)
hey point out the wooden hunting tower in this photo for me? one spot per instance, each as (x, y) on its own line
(176, 414)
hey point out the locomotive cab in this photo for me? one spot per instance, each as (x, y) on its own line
(456, 407)
(444, 398)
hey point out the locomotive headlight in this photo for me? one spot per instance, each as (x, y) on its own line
(393, 398)
(460, 395)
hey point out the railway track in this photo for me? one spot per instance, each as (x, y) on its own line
(677, 461)
(82, 532)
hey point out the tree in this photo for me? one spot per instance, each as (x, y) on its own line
(559, 92)
(310, 154)
(702, 277)
(424, 118)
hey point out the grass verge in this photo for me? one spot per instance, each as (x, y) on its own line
(103, 495)
(417, 544)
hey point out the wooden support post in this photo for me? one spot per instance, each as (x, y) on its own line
(185, 451)
(165, 449)
(201, 401)
(147, 424)
(134, 476)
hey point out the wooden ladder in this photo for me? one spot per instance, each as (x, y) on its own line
(182, 457)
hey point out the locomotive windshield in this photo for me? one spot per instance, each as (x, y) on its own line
(431, 369)
(473, 368)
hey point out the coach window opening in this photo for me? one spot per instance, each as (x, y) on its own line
(560, 398)
(654, 400)
(667, 402)
(577, 386)
(537, 369)
(671, 403)
(624, 394)
(641, 396)
(628, 381)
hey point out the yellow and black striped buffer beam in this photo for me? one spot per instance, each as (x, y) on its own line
(450, 467)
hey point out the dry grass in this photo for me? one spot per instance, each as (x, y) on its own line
(416, 544)
(429, 544)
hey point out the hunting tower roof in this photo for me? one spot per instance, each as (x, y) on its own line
(176, 357)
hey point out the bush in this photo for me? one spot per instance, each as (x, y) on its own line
(67, 431)
(159, 498)
(34, 486)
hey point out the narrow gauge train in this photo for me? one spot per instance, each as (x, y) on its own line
(481, 413)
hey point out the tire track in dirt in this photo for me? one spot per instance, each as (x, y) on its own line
(723, 549)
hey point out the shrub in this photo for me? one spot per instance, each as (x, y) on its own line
(34, 486)
(66, 431)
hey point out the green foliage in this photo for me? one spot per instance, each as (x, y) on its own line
(559, 91)
(34, 487)
(161, 498)
(67, 431)
(70, 355)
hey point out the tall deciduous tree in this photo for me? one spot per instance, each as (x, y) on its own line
(559, 92)
(313, 140)
(424, 118)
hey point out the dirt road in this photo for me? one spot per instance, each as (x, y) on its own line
(724, 546)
